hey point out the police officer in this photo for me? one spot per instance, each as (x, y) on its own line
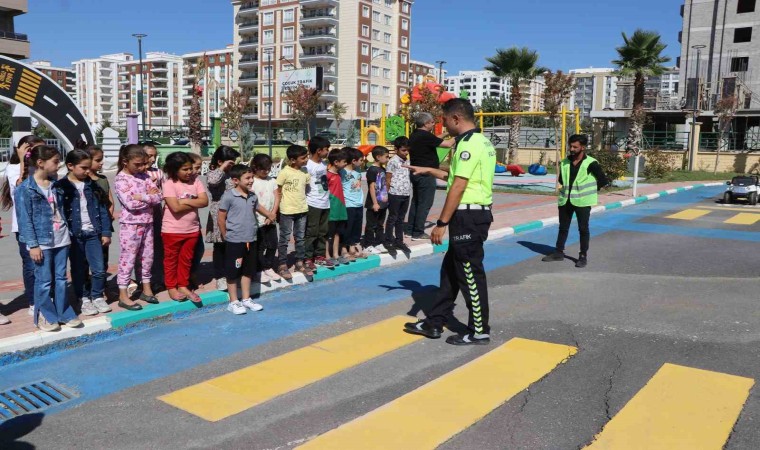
(467, 215)
(581, 178)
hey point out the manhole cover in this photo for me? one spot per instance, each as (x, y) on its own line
(32, 397)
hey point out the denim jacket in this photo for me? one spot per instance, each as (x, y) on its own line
(35, 217)
(99, 217)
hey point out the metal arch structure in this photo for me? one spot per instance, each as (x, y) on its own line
(21, 85)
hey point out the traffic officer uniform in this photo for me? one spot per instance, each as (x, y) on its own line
(474, 158)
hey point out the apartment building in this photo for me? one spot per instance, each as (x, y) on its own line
(727, 32)
(419, 70)
(161, 86)
(218, 82)
(480, 84)
(362, 47)
(595, 90)
(64, 77)
(97, 87)
(13, 44)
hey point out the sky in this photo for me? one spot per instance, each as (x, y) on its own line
(566, 33)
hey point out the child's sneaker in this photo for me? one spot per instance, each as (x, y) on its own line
(31, 310)
(4, 320)
(101, 305)
(333, 263)
(221, 284)
(236, 308)
(274, 276)
(370, 250)
(380, 249)
(265, 278)
(73, 323)
(310, 264)
(44, 325)
(285, 273)
(301, 267)
(250, 304)
(343, 260)
(88, 309)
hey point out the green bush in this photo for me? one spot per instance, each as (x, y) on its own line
(613, 165)
(658, 164)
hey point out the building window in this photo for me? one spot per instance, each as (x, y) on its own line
(376, 35)
(375, 71)
(288, 51)
(386, 73)
(376, 16)
(389, 3)
(287, 16)
(365, 11)
(375, 52)
(365, 69)
(743, 34)
(286, 108)
(268, 36)
(222, 58)
(740, 64)
(745, 6)
(365, 49)
(404, 24)
(375, 89)
(365, 31)
(374, 107)
(288, 34)
(404, 41)
(387, 91)
(387, 38)
(363, 107)
(387, 19)
(268, 18)
(364, 88)
(404, 58)
(403, 76)
(406, 7)
(387, 55)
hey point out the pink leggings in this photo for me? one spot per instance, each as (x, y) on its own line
(135, 242)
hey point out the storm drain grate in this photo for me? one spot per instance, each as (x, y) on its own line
(32, 397)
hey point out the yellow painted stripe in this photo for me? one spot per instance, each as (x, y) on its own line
(743, 219)
(230, 394)
(30, 75)
(689, 214)
(433, 413)
(28, 81)
(679, 408)
(24, 99)
(728, 208)
(27, 90)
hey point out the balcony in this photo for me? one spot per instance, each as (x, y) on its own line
(159, 78)
(159, 88)
(247, 26)
(159, 108)
(319, 17)
(248, 44)
(318, 3)
(248, 79)
(159, 69)
(15, 45)
(315, 56)
(248, 9)
(248, 61)
(318, 37)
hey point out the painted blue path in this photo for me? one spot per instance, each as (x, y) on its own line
(143, 355)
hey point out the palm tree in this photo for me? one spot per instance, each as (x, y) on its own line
(516, 65)
(640, 57)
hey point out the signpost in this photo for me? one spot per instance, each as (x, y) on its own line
(310, 77)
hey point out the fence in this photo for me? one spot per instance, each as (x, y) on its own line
(6, 148)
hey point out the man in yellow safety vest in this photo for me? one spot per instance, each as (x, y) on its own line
(581, 177)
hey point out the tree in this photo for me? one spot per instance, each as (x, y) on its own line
(235, 106)
(304, 104)
(558, 89)
(106, 123)
(195, 120)
(492, 105)
(428, 103)
(725, 111)
(640, 57)
(6, 120)
(516, 65)
(339, 110)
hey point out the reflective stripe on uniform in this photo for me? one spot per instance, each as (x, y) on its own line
(477, 312)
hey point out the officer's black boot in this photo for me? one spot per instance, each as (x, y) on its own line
(582, 261)
(556, 256)
(423, 328)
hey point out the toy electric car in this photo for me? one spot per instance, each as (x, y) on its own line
(742, 187)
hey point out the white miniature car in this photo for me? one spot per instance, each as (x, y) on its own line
(742, 187)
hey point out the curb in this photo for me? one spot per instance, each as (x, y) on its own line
(117, 321)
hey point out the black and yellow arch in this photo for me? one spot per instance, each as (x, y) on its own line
(49, 103)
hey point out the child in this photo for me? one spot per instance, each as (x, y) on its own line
(293, 208)
(399, 191)
(237, 224)
(200, 249)
(180, 228)
(97, 165)
(338, 159)
(157, 177)
(15, 173)
(318, 200)
(85, 207)
(352, 191)
(218, 182)
(137, 195)
(377, 202)
(42, 228)
(268, 193)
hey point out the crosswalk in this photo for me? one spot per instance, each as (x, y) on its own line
(679, 407)
(739, 215)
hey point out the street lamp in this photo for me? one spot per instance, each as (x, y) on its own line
(695, 111)
(369, 90)
(271, 98)
(140, 93)
(440, 71)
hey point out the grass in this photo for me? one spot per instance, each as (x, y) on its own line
(680, 175)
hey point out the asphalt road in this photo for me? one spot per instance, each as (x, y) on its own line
(658, 290)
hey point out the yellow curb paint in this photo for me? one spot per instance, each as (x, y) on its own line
(726, 208)
(689, 214)
(743, 219)
(679, 408)
(433, 413)
(230, 394)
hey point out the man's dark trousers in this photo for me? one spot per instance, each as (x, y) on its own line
(582, 213)
(423, 194)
